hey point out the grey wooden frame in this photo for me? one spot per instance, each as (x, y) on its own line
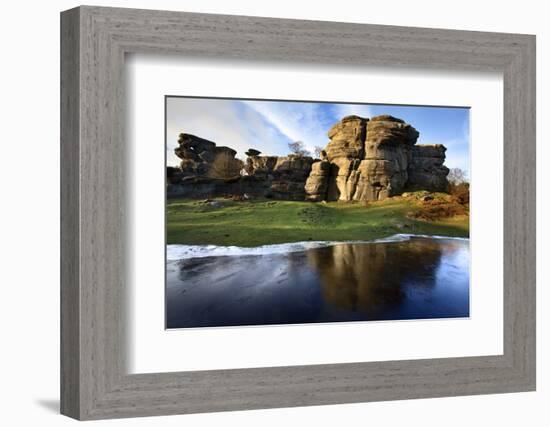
(94, 41)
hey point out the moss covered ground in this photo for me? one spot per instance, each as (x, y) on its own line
(260, 222)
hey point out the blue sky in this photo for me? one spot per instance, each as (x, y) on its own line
(269, 126)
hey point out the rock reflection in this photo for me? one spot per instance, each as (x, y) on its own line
(420, 278)
(373, 277)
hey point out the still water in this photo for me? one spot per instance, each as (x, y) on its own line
(404, 278)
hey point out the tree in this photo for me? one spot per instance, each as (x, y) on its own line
(459, 185)
(317, 151)
(298, 149)
(225, 166)
(457, 176)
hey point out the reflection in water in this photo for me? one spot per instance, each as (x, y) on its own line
(413, 279)
(373, 277)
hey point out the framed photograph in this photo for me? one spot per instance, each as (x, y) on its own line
(372, 226)
(263, 213)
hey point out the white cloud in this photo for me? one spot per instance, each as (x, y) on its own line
(264, 125)
(306, 122)
(297, 121)
(221, 122)
(361, 110)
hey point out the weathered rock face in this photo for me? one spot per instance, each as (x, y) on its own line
(279, 177)
(426, 170)
(260, 166)
(383, 172)
(347, 138)
(374, 159)
(207, 170)
(317, 183)
(198, 156)
(365, 160)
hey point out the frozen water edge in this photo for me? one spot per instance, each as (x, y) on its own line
(180, 252)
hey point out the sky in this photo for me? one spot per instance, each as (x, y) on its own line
(269, 126)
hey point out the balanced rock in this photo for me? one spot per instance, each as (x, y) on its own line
(190, 146)
(253, 152)
(200, 157)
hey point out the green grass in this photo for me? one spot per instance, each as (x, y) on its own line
(261, 222)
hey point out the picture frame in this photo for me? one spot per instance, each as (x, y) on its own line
(94, 381)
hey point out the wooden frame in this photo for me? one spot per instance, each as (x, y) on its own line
(94, 383)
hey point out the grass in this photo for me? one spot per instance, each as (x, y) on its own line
(261, 222)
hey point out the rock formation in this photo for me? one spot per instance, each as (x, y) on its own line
(208, 170)
(205, 168)
(375, 159)
(253, 152)
(281, 177)
(365, 160)
(426, 171)
(198, 156)
(317, 183)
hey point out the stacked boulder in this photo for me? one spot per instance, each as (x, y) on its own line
(205, 169)
(365, 160)
(198, 155)
(374, 159)
(208, 170)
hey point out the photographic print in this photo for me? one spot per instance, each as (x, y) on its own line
(293, 212)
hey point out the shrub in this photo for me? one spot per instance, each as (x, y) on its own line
(461, 192)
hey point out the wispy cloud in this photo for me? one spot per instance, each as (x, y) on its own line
(297, 121)
(305, 121)
(270, 126)
(221, 121)
(361, 110)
